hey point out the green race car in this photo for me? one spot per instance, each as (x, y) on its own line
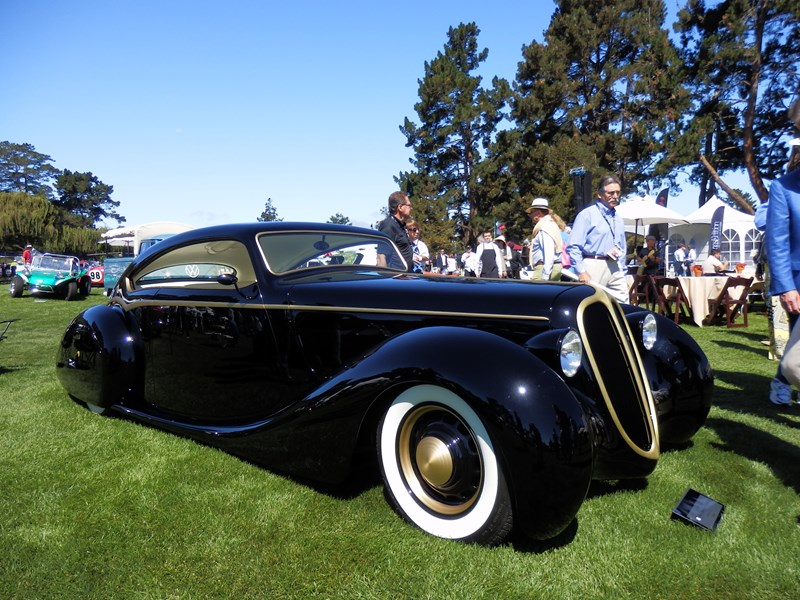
(53, 274)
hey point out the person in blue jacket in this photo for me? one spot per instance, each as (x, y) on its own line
(782, 237)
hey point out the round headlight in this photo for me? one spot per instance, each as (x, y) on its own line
(649, 331)
(570, 353)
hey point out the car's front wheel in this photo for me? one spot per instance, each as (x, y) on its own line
(16, 286)
(440, 467)
(72, 290)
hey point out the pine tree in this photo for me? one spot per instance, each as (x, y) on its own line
(603, 91)
(270, 212)
(23, 169)
(742, 61)
(457, 120)
(85, 199)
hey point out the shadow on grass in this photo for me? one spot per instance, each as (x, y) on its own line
(738, 347)
(520, 543)
(760, 446)
(606, 488)
(756, 404)
(596, 489)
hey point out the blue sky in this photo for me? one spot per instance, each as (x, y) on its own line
(199, 111)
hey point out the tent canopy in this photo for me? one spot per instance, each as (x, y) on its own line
(126, 236)
(705, 213)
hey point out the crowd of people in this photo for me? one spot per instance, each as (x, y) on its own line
(594, 250)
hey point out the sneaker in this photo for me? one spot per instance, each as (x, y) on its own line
(780, 393)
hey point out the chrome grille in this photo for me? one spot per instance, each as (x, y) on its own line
(618, 370)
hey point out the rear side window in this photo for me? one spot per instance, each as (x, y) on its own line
(197, 266)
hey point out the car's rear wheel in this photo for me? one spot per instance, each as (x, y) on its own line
(16, 286)
(86, 287)
(72, 290)
(440, 468)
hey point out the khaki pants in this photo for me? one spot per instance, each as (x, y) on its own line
(790, 363)
(608, 274)
(555, 274)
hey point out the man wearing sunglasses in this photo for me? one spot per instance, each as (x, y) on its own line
(394, 226)
(597, 243)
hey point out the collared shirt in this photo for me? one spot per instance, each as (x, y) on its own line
(545, 248)
(420, 255)
(596, 230)
(680, 255)
(398, 234)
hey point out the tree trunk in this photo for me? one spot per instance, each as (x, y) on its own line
(743, 204)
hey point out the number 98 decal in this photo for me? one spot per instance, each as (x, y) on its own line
(96, 275)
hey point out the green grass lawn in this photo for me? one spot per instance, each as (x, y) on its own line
(93, 507)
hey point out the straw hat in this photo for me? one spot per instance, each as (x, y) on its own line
(540, 203)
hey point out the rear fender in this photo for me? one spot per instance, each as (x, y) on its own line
(100, 360)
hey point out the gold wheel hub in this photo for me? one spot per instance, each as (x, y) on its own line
(434, 461)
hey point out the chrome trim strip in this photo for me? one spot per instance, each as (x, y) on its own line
(126, 304)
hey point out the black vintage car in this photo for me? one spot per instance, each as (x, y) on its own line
(491, 404)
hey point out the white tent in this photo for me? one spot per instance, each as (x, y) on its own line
(132, 235)
(739, 233)
(705, 213)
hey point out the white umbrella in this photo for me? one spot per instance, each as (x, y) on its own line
(647, 212)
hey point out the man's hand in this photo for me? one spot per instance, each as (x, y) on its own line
(791, 301)
(584, 277)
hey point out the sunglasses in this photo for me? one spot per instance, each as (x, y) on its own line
(413, 229)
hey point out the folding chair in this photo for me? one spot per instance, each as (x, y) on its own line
(5, 325)
(643, 291)
(670, 303)
(757, 293)
(730, 303)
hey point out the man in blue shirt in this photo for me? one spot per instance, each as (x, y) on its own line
(597, 244)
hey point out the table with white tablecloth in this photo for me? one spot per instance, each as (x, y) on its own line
(699, 290)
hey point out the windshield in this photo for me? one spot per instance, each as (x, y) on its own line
(288, 251)
(50, 262)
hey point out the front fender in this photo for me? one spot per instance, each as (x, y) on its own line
(681, 380)
(539, 429)
(100, 359)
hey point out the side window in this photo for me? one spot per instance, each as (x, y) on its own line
(196, 266)
(196, 272)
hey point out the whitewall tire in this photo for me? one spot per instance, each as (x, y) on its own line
(440, 468)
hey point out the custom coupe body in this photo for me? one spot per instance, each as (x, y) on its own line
(491, 404)
(56, 275)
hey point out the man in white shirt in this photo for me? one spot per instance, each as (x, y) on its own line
(545, 251)
(422, 261)
(467, 262)
(714, 264)
(490, 262)
(680, 260)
